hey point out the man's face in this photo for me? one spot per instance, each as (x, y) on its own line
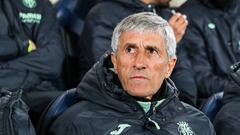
(142, 63)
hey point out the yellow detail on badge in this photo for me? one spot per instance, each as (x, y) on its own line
(30, 45)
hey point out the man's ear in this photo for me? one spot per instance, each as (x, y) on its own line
(114, 61)
(171, 65)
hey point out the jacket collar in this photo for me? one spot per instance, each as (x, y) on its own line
(101, 86)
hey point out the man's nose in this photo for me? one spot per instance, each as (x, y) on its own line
(140, 61)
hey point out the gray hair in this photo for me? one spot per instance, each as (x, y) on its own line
(146, 21)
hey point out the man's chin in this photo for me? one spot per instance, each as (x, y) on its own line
(137, 92)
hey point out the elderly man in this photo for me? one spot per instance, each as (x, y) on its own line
(104, 17)
(128, 92)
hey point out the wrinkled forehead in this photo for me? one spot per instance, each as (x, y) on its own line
(158, 32)
(146, 39)
(155, 35)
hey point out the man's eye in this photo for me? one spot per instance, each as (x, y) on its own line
(130, 50)
(152, 51)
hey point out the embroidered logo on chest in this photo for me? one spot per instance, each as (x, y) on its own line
(211, 26)
(120, 129)
(29, 3)
(184, 128)
(30, 17)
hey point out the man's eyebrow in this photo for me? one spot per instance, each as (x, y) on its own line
(133, 45)
(152, 47)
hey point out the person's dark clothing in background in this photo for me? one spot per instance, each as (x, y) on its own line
(183, 77)
(24, 25)
(227, 120)
(212, 42)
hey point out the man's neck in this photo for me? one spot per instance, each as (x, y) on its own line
(149, 1)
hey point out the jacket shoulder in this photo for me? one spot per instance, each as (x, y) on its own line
(108, 11)
(198, 119)
(193, 9)
(64, 124)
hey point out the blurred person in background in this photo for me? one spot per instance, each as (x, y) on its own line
(211, 42)
(227, 120)
(31, 53)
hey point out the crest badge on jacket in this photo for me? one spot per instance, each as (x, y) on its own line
(29, 3)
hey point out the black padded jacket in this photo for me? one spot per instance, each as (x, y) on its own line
(104, 108)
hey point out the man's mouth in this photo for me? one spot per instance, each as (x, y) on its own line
(139, 77)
